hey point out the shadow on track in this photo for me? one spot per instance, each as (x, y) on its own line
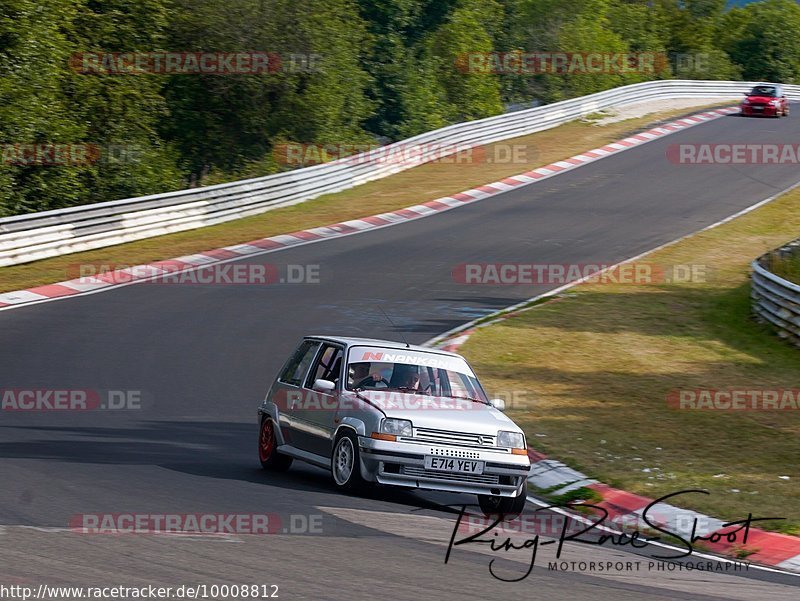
(218, 450)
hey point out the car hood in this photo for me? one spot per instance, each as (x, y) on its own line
(441, 413)
(764, 99)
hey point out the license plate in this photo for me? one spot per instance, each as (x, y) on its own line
(452, 464)
(758, 108)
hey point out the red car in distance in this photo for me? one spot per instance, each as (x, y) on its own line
(765, 99)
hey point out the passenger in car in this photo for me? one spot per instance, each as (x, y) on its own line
(405, 377)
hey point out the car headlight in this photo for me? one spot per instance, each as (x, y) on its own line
(746, 101)
(398, 427)
(511, 440)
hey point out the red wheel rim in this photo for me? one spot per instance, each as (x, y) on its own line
(266, 442)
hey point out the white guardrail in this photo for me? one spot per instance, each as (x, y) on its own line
(775, 300)
(35, 236)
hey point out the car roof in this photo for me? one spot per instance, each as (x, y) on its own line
(349, 341)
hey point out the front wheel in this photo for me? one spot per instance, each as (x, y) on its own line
(346, 463)
(267, 449)
(508, 508)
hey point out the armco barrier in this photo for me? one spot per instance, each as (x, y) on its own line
(34, 236)
(775, 300)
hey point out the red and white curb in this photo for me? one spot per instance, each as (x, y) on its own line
(152, 271)
(626, 509)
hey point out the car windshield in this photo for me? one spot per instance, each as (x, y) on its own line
(762, 91)
(415, 372)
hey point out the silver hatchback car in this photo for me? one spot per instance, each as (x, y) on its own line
(373, 411)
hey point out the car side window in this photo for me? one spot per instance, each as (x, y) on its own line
(298, 365)
(327, 367)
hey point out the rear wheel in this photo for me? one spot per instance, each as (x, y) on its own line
(508, 508)
(268, 449)
(346, 463)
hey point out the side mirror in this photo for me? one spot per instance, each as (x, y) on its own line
(323, 385)
(498, 404)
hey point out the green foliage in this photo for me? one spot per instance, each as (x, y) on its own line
(122, 112)
(466, 95)
(768, 47)
(645, 26)
(385, 70)
(33, 108)
(227, 122)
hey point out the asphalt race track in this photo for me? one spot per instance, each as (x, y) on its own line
(203, 356)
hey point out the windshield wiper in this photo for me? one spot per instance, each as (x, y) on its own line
(467, 398)
(406, 389)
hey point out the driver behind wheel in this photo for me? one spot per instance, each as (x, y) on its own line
(359, 376)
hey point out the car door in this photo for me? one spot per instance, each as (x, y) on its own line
(319, 413)
(288, 393)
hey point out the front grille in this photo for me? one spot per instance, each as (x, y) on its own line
(459, 438)
(455, 453)
(420, 472)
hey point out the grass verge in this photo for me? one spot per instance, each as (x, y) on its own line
(427, 182)
(596, 366)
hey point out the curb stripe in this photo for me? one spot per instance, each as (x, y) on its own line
(306, 235)
(219, 253)
(86, 284)
(462, 197)
(52, 290)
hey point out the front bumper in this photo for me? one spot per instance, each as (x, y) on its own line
(403, 464)
(767, 111)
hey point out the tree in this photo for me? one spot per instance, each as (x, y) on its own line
(122, 112)
(769, 46)
(230, 122)
(34, 54)
(44, 101)
(466, 95)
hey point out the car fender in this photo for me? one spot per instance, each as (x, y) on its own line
(270, 409)
(352, 423)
